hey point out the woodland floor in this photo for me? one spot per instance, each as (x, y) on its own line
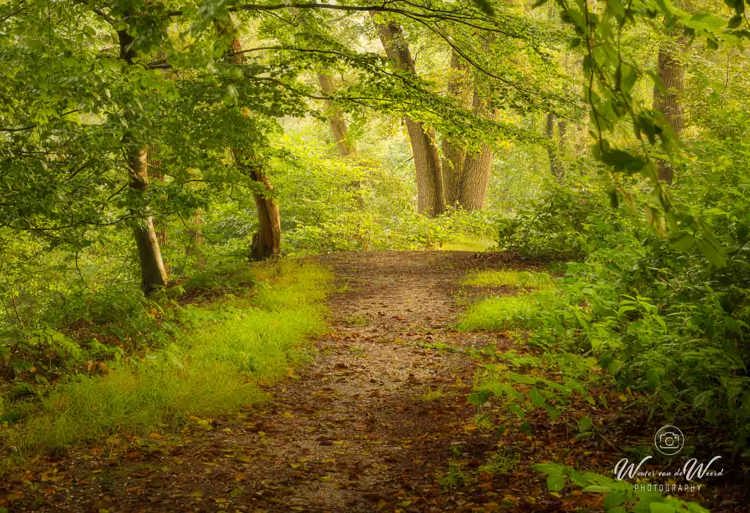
(371, 425)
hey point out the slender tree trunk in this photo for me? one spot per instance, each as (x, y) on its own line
(153, 271)
(196, 240)
(553, 149)
(267, 240)
(667, 100)
(156, 176)
(429, 174)
(336, 119)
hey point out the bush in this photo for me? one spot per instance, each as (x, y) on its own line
(566, 222)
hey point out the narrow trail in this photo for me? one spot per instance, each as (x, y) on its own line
(369, 426)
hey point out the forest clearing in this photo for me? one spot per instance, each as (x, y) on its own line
(398, 256)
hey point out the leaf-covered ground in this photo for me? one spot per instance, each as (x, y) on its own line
(378, 422)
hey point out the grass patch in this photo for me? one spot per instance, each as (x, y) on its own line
(503, 278)
(223, 351)
(468, 243)
(505, 312)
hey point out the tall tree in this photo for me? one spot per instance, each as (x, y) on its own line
(429, 172)
(266, 241)
(153, 270)
(454, 153)
(466, 173)
(667, 95)
(554, 144)
(335, 116)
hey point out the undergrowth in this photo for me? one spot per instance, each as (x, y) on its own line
(553, 376)
(214, 363)
(508, 278)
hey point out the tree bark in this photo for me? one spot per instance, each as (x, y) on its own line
(466, 173)
(153, 271)
(196, 239)
(266, 241)
(336, 119)
(476, 177)
(553, 149)
(477, 167)
(667, 100)
(429, 173)
(454, 153)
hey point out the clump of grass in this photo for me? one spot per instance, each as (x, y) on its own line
(455, 476)
(505, 312)
(507, 278)
(501, 462)
(432, 395)
(214, 365)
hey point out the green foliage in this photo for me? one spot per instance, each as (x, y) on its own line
(455, 477)
(521, 383)
(507, 312)
(561, 224)
(213, 365)
(507, 278)
(343, 205)
(619, 496)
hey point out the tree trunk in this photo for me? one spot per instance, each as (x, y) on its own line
(476, 177)
(196, 240)
(667, 100)
(477, 167)
(336, 118)
(429, 174)
(153, 272)
(266, 241)
(465, 173)
(555, 165)
(454, 153)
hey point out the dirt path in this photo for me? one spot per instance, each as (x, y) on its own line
(370, 426)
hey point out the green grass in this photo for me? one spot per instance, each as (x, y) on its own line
(504, 278)
(468, 243)
(507, 312)
(214, 365)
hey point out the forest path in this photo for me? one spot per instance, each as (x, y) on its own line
(369, 426)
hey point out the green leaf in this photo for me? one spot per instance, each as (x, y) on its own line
(623, 161)
(555, 475)
(585, 424)
(660, 507)
(536, 398)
